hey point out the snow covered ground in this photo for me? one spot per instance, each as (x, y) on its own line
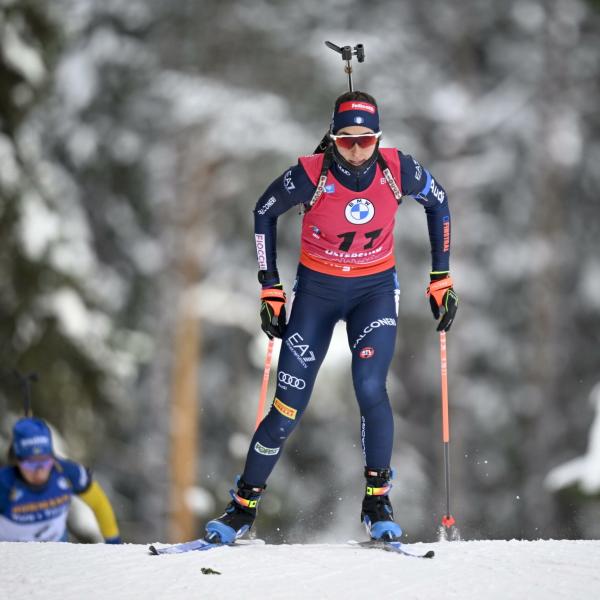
(462, 570)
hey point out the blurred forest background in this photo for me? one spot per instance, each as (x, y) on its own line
(135, 139)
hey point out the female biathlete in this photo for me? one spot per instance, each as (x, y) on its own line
(350, 194)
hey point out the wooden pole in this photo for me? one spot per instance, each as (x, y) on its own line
(185, 397)
(184, 422)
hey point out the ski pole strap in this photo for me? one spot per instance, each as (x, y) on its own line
(265, 277)
(389, 178)
(378, 491)
(327, 159)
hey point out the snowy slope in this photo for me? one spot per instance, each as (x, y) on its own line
(462, 570)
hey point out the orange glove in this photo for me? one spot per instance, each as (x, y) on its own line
(442, 296)
(272, 311)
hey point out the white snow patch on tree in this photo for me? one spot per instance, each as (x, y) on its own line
(24, 59)
(583, 471)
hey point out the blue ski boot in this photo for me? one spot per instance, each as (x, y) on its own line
(238, 516)
(377, 514)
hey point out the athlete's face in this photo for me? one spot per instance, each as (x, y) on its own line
(356, 155)
(36, 470)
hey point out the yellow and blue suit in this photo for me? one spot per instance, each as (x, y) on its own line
(39, 513)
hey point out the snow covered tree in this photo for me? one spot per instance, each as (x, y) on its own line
(81, 219)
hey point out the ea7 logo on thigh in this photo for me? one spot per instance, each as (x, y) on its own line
(300, 350)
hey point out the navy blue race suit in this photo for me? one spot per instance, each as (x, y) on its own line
(367, 303)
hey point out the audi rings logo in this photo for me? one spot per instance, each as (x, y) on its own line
(287, 379)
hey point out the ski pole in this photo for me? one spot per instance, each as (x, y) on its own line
(265, 384)
(447, 520)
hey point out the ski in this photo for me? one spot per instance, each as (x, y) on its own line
(199, 545)
(397, 547)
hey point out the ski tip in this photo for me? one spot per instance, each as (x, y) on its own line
(153, 551)
(429, 554)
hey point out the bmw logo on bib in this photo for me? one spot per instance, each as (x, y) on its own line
(359, 211)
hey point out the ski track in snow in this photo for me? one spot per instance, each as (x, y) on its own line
(544, 570)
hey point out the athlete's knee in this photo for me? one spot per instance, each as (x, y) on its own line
(370, 390)
(280, 421)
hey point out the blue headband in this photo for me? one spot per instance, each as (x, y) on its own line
(355, 112)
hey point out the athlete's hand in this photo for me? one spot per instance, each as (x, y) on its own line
(272, 311)
(443, 299)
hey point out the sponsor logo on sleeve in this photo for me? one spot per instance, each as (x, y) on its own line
(258, 447)
(261, 252)
(418, 170)
(288, 184)
(267, 205)
(284, 409)
(446, 234)
(437, 191)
